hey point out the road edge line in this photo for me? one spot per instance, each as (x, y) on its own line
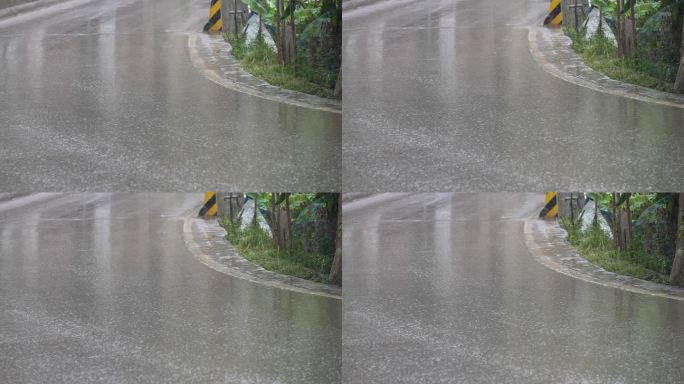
(195, 249)
(555, 238)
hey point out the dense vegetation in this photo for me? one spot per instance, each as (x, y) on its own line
(645, 237)
(647, 46)
(308, 40)
(303, 239)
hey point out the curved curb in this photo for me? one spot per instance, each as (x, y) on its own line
(206, 240)
(211, 55)
(552, 50)
(547, 243)
(353, 5)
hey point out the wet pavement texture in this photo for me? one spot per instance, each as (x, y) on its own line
(552, 49)
(213, 56)
(444, 95)
(441, 288)
(100, 288)
(104, 96)
(11, 3)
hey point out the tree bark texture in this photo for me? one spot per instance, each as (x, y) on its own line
(335, 276)
(677, 274)
(679, 81)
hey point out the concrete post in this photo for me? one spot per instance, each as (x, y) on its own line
(234, 14)
(229, 204)
(570, 204)
(574, 13)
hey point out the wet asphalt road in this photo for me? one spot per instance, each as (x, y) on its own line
(442, 289)
(100, 288)
(10, 3)
(102, 96)
(444, 95)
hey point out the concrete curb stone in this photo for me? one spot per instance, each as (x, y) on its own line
(548, 244)
(552, 49)
(206, 240)
(211, 55)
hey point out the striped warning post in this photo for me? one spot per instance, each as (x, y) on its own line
(210, 207)
(555, 16)
(215, 23)
(550, 206)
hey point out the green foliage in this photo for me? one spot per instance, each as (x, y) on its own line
(651, 20)
(642, 8)
(266, 9)
(314, 243)
(655, 62)
(259, 53)
(287, 77)
(260, 60)
(315, 67)
(599, 53)
(606, 6)
(237, 44)
(597, 247)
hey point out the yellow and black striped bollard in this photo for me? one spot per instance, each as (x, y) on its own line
(550, 206)
(555, 16)
(210, 207)
(215, 23)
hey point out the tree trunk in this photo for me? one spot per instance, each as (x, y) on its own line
(629, 40)
(615, 222)
(261, 25)
(288, 226)
(620, 26)
(333, 217)
(288, 47)
(230, 207)
(275, 225)
(293, 34)
(676, 26)
(338, 85)
(679, 81)
(335, 276)
(279, 31)
(633, 31)
(677, 274)
(254, 219)
(626, 225)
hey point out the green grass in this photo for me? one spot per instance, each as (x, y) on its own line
(597, 247)
(259, 60)
(256, 246)
(599, 53)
